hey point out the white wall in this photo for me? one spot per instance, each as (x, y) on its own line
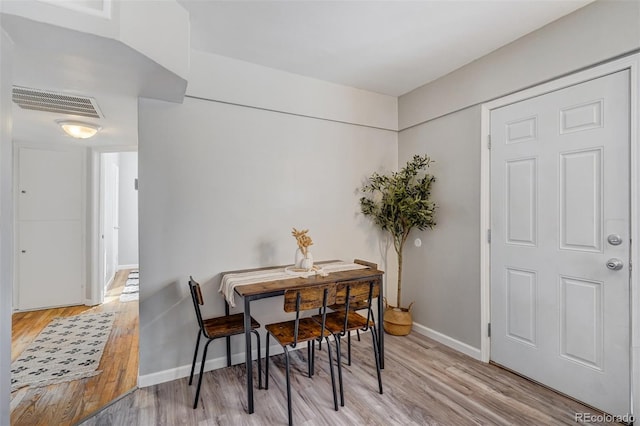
(268, 88)
(165, 39)
(220, 188)
(444, 274)
(6, 224)
(98, 20)
(128, 238)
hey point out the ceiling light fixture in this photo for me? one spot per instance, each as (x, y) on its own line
(78, 129)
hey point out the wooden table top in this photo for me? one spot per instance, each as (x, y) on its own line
(294, 282)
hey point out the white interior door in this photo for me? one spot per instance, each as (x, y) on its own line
(109, 213)
(115, 212)
(50, 228)
(559, 213)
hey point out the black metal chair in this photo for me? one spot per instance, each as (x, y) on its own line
(289, 333)
(344, 320)
(215, 328)
(356, 306)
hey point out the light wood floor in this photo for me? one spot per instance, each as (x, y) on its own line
(425, 383)
(68, 403)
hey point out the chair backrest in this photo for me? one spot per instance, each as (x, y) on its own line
(198, 300)
(307, 298)
(358, 294)
(358, 291)
(366, 263)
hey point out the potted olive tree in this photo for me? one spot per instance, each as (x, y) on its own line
(399, 202)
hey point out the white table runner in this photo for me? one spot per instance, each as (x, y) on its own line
(230, 281)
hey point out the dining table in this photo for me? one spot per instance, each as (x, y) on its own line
(266, 282)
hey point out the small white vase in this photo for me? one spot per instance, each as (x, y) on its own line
(298, 259)
(307, 262)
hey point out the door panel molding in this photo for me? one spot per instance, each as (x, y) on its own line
(583, 196)
(578, 122)
(586, 295)
(521, 180)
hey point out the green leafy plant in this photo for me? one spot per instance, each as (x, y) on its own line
(399, 202)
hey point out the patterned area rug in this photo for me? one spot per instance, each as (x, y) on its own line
(69, 348)
(131, 289)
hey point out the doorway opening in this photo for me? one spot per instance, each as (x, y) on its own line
(118, 217)
(112, 238)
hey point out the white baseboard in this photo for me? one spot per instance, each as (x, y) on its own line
(211, 364)
(110, 282)
(448, 341)
(121, 267)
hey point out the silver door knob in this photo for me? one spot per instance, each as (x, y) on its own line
(615, 264)
(614, 239)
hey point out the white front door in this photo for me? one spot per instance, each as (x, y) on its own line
(560, 223)
(50, 228)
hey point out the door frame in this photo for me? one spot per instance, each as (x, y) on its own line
(96, 286)
(632, 64)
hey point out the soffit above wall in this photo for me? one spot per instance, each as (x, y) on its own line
(61, 60)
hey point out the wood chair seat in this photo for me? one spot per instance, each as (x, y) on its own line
(308, 329)
(335, 321)
(230, 325)
(357, 305)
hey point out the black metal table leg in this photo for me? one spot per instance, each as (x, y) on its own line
(248, 363)
(228, 339)
(380, 328)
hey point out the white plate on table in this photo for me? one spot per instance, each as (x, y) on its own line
(304, 273)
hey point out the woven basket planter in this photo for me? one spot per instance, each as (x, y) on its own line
(397, 321)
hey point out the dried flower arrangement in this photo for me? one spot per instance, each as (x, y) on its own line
(303, 240)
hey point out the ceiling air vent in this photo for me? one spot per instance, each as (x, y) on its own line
(42, 100)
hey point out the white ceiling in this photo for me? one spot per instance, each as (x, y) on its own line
(389, 47)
